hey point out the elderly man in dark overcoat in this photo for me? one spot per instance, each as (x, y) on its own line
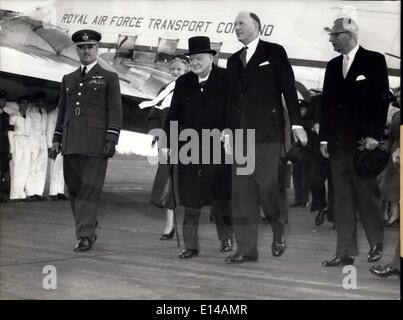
(198, 103)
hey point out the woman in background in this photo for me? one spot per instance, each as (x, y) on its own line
(162, 194)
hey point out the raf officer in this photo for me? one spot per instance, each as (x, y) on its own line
(87, 130)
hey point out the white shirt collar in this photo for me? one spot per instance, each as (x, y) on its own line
(252, 45)
(89, 66)
(205, 78)
(352, 53)
(251, 48)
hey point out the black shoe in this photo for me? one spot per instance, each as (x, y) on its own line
(239, 258)
(278, 247)
(336, 261)
(375, 253)
(85, 243)
(30, 199)
(54, 198)
(320, 217)
(384, 271)
(188, 253)
(39, 198)
(304, 205)
(167, 236)
(226, 245)
(62, 197)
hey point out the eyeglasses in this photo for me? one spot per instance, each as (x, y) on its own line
(336, 34)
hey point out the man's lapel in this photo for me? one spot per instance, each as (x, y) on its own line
(352, 72)
(77, 74)
(253, 65)
(94, 70)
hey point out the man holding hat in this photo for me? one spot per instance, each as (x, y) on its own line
(87, 130)
(198, 103)
(355, 105)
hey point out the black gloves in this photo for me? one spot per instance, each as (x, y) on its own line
(109, 149)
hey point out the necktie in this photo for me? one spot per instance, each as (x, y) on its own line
(83, 72)
(202, 84)
(243, 56)
(345, 66)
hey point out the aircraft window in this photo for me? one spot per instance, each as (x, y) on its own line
(166, 49)
(125, 46)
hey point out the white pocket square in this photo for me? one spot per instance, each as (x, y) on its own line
(264, 63)
(360, 77)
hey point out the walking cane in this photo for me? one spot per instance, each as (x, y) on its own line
(174, 210)
(176, 228)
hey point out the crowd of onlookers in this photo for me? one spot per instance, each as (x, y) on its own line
(26, 131)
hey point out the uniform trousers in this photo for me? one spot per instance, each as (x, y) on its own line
(300, 181)
(84, 177)
(249, 192)
(351, 194)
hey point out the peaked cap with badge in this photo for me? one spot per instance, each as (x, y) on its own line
(86, 36)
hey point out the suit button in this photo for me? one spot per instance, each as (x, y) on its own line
(79, 93)
(77, 103)
(340, 106)
(200, 172)
(242, 96)
(81, 84)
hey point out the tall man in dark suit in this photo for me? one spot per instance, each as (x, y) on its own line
(198, 103)
(259, 75)
(355, 104)
(87, 129)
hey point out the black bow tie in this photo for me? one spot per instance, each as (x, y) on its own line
(202, 84)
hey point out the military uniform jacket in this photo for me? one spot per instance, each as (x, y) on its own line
(355, 107)
(90, 112)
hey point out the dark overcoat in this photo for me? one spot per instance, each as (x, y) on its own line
(193, 108)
